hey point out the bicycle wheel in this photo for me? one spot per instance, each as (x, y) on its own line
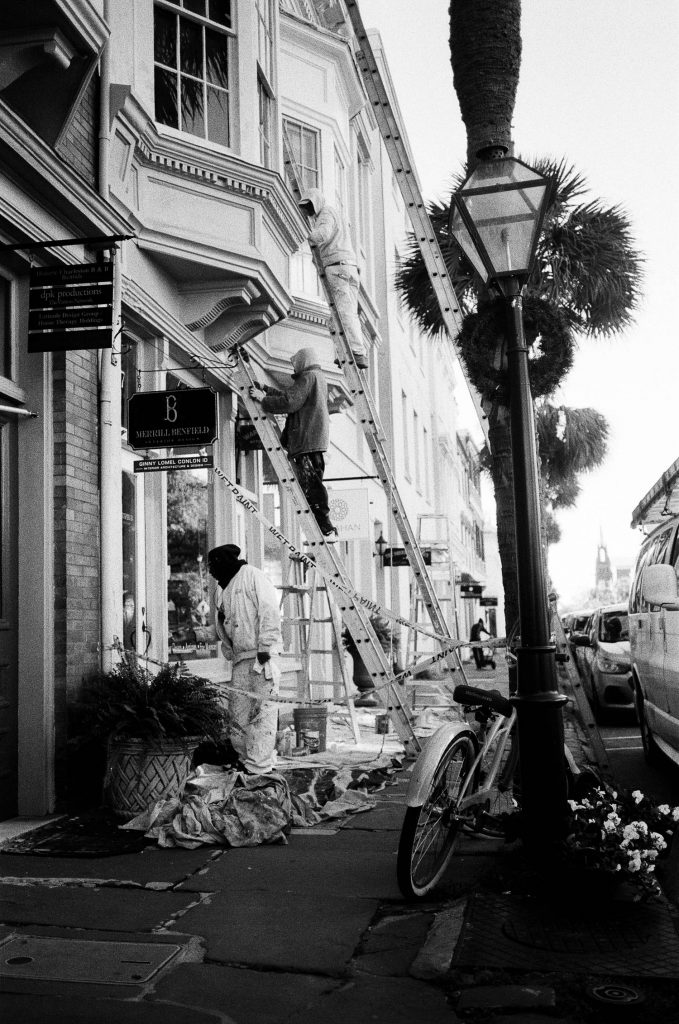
(430, 831)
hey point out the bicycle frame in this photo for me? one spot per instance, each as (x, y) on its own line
(427, 762)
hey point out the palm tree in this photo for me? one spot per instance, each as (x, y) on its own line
(485, 50)
(585, 283)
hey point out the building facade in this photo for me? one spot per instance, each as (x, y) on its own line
(152, 133)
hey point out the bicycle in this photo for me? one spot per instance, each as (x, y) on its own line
(461, 782)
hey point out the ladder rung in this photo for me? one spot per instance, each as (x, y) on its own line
(303, 618)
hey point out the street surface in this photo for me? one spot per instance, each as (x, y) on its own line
(622, 741)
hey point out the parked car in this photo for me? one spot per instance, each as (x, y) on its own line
(654, 640)
(605, 668)
(576, 622)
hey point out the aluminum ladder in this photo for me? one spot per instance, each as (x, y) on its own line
(374, 435)
(405, 174)
(327, 558)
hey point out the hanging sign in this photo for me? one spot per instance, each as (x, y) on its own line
(350, 512)
(185, 418)
(471, 590)
(70, 307)
(176, 462)
(397, 558)
(488, 602)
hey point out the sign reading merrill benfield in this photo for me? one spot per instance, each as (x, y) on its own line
(70, 307)
(186, 418)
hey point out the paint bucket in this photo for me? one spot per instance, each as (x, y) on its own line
(311, 727)
(382, 725)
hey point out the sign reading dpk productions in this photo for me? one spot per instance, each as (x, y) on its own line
(70, 307)
(186, 418)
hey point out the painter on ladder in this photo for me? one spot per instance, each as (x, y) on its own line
(330, 236)
(248, 623)
(307, 430)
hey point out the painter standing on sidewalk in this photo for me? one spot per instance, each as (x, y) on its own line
(330, 235)
(248, 623)
(307, 429)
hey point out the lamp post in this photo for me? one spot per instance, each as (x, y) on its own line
(496, 220)
(380, 548)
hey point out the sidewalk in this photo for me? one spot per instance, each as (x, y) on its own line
(317, 931)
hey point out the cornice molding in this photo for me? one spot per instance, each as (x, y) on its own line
(90, 26)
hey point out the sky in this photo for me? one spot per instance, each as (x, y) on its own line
(599, 85)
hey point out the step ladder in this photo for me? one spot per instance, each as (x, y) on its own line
(366, 410)
(309, 612)
(433, 535)
(328, 559)
(405, 174)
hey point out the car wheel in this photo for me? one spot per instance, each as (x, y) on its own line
(651, 748)
(597, 709)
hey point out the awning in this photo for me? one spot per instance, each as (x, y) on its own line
(661, 501)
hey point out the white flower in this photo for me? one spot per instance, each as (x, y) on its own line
(575, 806)
(634, 863)
(675, 814)
(613, 818)
(638, 796)
(663, 809)
(658, 841)
(629, 832)
(609, 825)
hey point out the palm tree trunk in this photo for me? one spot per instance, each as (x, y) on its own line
(499, 442)
(485, 51)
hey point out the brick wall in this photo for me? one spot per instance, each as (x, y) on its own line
(76, 532)
(79, 145)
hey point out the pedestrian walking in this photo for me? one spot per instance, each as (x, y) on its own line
(248, 623)
(480, 658)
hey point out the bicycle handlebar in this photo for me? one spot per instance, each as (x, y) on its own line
(472, 695)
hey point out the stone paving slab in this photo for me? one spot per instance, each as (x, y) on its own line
(152, 864)
(366, 999)
(289, 931)
(391, 945)
(73, 906)
(250, 997)
(345, 864)
(44, 1009)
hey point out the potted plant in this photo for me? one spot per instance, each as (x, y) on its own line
(150, 724)
(389, 639)
(615, 836)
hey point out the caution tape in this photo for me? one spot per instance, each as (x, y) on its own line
(446, 641)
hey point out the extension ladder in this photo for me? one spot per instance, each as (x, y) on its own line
(433, 535)
(327, 557)
(301, 597)
(404, 172)
(374, 435)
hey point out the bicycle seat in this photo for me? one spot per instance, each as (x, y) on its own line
(475, 697)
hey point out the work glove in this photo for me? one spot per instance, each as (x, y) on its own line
(263, 657)
(257, 393)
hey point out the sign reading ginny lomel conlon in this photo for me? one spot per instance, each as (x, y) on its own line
(70, 307)
(185, 418)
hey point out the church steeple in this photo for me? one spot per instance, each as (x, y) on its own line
(603, 574)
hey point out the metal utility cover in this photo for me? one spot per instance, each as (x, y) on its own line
(617, 938)
(80, 960)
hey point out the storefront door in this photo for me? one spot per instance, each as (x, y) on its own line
(8, 623)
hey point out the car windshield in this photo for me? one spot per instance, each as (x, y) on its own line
(613, 627)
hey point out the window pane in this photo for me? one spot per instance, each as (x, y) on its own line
(166, 98)
(218, 116)
(193, 120)
(191, 47)
(196, 6)
(217, 58)
(220, 11)
(165, 38)
(129, 562)
(187, 588)
(309, 149)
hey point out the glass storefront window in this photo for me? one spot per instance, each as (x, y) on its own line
(190, 631)
(129, 563)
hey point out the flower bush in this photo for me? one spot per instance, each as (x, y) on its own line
(622, 832)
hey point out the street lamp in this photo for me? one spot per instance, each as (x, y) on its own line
(496, 221)
(380, 547)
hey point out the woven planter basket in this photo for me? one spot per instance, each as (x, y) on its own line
(138, 772)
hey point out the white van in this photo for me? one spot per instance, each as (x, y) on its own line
(654, 640)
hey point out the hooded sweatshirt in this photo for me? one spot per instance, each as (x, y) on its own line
(330, 234)
(307, 427)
